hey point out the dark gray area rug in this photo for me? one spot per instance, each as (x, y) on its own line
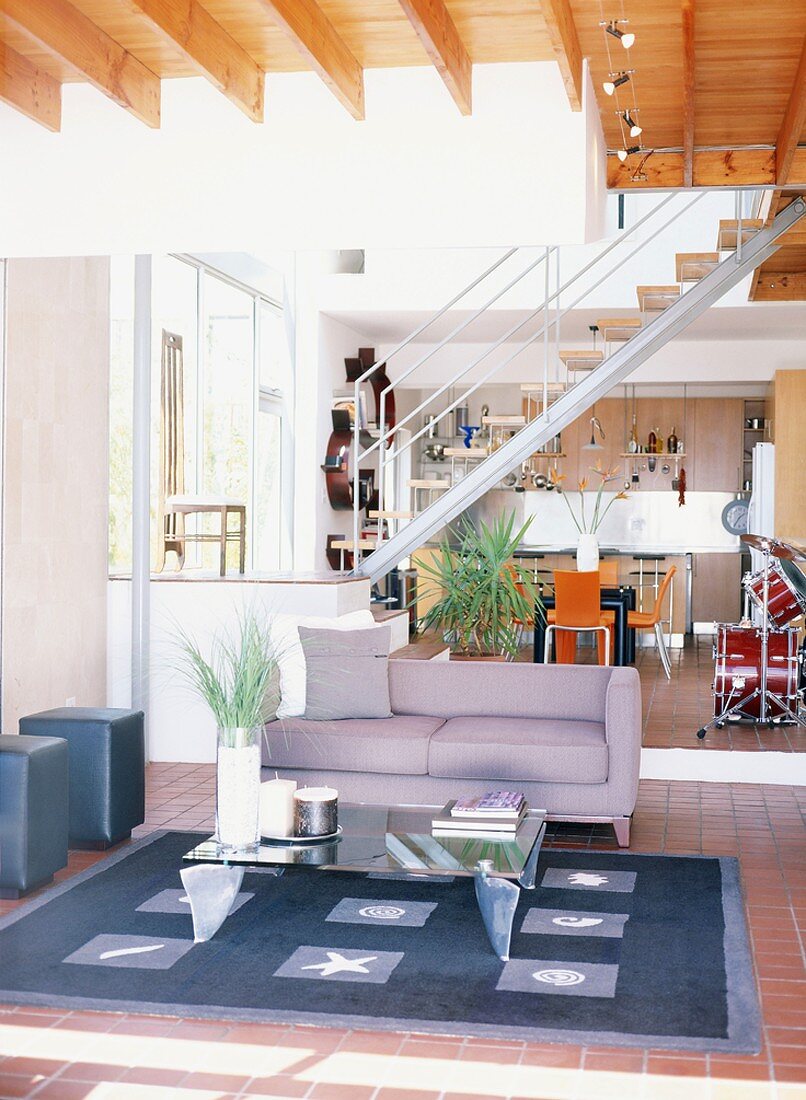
(610, 948)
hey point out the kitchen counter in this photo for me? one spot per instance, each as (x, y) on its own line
(636, 548)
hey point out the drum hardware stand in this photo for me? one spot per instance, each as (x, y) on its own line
(765, 696)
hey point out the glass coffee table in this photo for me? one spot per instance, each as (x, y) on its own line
(397, 840)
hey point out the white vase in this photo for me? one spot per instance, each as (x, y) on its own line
(587, 553)
(238, 789)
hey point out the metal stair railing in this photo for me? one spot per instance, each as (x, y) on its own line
(615, 368)
(386, 434)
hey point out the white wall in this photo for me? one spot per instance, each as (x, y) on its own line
(415, 173)
(321, 347)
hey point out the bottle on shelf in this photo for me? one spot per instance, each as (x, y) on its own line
(658, 442)
(671, 442)
(651, 442)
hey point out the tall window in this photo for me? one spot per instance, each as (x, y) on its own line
(237, 380)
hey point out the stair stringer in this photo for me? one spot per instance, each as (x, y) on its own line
(618, 366)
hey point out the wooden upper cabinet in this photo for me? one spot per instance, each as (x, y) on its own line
(716, 440)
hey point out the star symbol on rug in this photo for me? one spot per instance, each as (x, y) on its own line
(338, 964)
(584, 878)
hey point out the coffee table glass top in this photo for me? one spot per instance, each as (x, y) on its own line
(392, 840)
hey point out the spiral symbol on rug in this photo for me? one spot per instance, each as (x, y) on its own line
(559, 977)
(382, 912)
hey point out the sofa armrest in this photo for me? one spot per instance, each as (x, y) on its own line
(623, 727)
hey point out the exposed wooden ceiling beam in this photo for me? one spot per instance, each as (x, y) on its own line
(67, 33)
(34, 93)
(210, 49)
(436, 30)
(565, 42)
(318, 41)
(793, 123)
(712, 168)
(688, 92)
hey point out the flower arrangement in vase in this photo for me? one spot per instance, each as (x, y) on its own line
(239, 682)
(588, 524)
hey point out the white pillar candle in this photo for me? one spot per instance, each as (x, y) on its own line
(277, 807)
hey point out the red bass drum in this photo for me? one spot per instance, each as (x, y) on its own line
(737, 669)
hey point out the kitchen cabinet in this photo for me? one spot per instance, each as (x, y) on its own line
(790, 484)
(716, 593)
(714, 461)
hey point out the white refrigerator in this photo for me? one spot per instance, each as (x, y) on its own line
(761, 509)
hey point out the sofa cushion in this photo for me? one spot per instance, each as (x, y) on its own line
(528, 749)
(397, 745)
(347, 673)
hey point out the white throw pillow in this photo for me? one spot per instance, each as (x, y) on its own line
(291, 658)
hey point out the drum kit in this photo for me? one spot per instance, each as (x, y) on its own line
(759, 672)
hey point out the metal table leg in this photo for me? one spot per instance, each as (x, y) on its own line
(498, 897)
(498, 900)
(211, 890)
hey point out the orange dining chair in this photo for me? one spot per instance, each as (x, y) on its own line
(577, 610)
(651, 620)
(608, 574)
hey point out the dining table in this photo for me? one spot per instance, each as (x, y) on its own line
(619, 600)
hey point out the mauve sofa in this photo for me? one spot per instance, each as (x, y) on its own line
(568, 736)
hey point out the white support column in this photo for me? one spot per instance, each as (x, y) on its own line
(141, 486)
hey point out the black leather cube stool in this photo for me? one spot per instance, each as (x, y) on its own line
(33, 812)
(107, 770)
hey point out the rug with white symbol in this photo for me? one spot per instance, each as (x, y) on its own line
(608, 948)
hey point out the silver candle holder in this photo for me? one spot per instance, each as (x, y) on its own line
(316, 811)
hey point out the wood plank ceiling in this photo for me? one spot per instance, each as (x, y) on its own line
(718, 83)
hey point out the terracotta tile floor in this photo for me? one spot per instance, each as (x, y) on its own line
(63, 1055)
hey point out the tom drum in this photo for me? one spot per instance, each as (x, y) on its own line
(787, 596)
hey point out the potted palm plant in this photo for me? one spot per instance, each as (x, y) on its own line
(237, 676)
(484, 600)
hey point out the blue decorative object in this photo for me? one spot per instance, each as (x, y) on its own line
(468, 431)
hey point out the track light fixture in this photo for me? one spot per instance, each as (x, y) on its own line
(622, 154)
(616, 80)
(612, 28)
(635, 129)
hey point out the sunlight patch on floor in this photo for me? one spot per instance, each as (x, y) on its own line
(191, 1055)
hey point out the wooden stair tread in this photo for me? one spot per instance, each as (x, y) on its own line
(690, 267)
(537, 387)
(654, 299)
(427, 483)
(465, 452)
(348, 544)
(581, 356)
(391, 515)
(729, 232)
(503, 421)
(618, 329)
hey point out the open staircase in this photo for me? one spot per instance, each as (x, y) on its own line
(665, 311)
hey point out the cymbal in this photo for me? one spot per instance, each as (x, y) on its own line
(779, 549)
(790, 551)
(760, 542)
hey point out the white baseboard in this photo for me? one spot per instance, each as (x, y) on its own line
(702, 765)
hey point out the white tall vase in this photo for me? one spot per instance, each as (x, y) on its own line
(587, 553)
(238, 789)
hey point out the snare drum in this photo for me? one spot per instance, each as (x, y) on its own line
(737, 669)
(787, 597)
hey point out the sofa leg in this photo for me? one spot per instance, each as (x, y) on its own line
(622, 827)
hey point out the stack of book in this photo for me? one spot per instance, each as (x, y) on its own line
(495, 815)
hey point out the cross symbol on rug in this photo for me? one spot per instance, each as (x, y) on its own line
(337, 964)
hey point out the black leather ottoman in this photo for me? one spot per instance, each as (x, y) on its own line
(33, 812)
(107, 770)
